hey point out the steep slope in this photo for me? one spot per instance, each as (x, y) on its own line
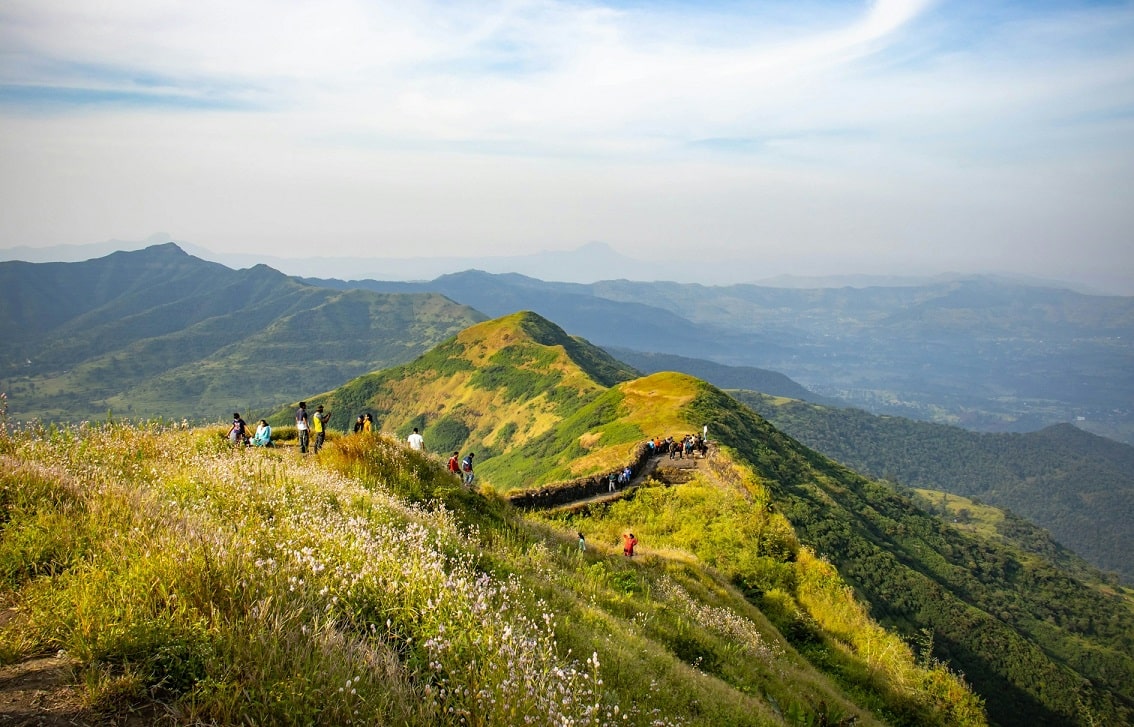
(1077, 485)
(1037, 644)
(158, 332)
(490, 388)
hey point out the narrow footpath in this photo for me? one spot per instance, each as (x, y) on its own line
(670, 471)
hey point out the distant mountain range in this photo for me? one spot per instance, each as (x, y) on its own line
(983, 353)
(161, 333)
(594, 261)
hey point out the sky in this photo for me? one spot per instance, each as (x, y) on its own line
(737, 139)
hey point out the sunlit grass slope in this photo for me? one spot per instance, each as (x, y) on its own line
(824, 553)
(495, 386)
(208, 584)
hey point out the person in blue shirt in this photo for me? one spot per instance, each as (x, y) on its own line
(263, 436)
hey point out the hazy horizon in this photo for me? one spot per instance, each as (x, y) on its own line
(811, 139)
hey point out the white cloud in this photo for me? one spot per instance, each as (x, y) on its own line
(887, 132)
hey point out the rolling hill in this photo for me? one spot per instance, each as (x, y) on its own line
(1036, 642)
(160, 333)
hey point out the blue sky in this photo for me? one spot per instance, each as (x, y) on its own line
(764, 138)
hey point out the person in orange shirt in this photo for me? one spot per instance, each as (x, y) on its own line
(628, 543)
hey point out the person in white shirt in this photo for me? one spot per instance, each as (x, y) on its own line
(416, 441)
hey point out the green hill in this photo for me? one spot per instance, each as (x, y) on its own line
(1073, 483)
(491, 388)
(1038, 644)
(160, 333)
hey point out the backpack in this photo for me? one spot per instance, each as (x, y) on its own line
(466, 464)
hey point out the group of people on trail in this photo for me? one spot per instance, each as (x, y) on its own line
(463, 468)
(238, 433)
(619, 479)
(689, 446)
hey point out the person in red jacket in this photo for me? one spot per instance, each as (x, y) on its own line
(455, 463)
(628, 543)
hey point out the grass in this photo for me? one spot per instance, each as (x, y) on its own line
(732, 530)
(363, 586)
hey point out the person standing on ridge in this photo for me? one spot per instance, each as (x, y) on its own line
(319, 422)
(416, 441)
(455, 464)
(358, 424)
(302, 426)
(368, 423)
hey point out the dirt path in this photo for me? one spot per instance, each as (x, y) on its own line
(650, 467)
(40, 691)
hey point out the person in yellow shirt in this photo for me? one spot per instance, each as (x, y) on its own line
(319, 426)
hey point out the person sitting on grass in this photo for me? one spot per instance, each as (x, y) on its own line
(263, 436)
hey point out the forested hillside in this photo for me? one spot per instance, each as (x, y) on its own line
(1077, 485)
(160, 333)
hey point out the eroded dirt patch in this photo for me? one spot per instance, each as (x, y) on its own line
(41, 691)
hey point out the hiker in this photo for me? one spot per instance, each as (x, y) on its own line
(628, 543)
(416, 441)
(467, 467)
(238, 433)
(368, 423)
(611, 487)
(319, 424)
(582, 542)
(624, 478)
(358, 424)
(455, 464)
(263, 437)
(302, 426)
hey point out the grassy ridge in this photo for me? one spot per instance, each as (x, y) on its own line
(210, 584)
(1041, 646)
(496, 388)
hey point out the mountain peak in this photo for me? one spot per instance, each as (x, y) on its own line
(490, 340)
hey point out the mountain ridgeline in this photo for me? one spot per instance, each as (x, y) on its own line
(986, 353)
(539, 407)
(160, 333)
